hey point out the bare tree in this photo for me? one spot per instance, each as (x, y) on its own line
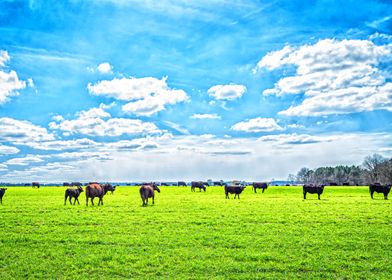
(372, 166)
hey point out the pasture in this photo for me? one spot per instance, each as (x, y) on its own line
(192, 235)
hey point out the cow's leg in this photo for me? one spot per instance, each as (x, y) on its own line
(70, 200)
(227, 196)
(86, 200)
(77, 198)
(371, 194)
(318, 196)
(65, 200)
(254, 189)
(385, 196)
(153, 200)
(263, 190)
(92, 201)
(304, 195)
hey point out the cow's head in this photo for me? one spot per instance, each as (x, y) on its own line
(155, 187)
(80, 189)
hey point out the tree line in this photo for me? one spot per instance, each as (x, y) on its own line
(374, 169)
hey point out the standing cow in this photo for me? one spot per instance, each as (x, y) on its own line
(35, 185)
(200, 185)
(147, 191)
(379, 189)
(236, 189)
(312, 189)
(72, 193)
(2, 192)
(262, 186)
(97, 190)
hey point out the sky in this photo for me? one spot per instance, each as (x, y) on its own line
(117, 90)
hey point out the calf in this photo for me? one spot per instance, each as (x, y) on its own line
(313, 189)
(236, 189)
(2, 192)
(200, 185)
(147, 191)
(262, 186)
(72, 193)
(379, 189)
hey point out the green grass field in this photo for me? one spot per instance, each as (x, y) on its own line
(186, 235)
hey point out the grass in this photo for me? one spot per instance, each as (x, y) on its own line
(186, 235)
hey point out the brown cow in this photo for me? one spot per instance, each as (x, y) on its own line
(261, 185)
(147, 191)
(97, 190)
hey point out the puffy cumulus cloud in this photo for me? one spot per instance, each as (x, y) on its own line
(227, 92)
(105, 68)
(337, 77)
(9, 81)
(257, 125)
(97, 122)
(206, 116)
(148, 95)
(20, 132)
(8, 150)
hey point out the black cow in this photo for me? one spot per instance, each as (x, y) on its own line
(181, 184)
(35, 185)
(147, 191)
(66, 184)
(76, 184)
(72, 193)
(217, 183)
(262, 186)
(2, 192)
(379, 189)
(313, 189)
(236, 189)
(200, 185)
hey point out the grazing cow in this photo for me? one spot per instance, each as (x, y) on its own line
(217, 183)
(97, 190)
(379, 189)
(313, 189)
(236, 189)
(72, 193)
(65, 184)
(147, 191)
(2, 192)
(181, 184)
(346, 184)
(200, 185)
(262, 186)
(35, 185)
(76, 184)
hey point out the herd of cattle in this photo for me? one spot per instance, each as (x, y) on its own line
(147, 190)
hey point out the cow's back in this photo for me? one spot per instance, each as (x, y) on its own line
(94, 190)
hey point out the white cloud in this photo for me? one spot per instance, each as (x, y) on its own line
(257, 125)
(206, 116)
(8, 150)
(337, 77)
(148, 95)
(61, 145)
(167, 157)
(17, 131)
(9, 82)
(227, 92)
(97, 122)
(105, 68)
(24, 161)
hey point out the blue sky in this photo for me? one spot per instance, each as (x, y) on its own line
(182, 90)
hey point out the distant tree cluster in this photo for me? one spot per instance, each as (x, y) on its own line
(374, 169)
